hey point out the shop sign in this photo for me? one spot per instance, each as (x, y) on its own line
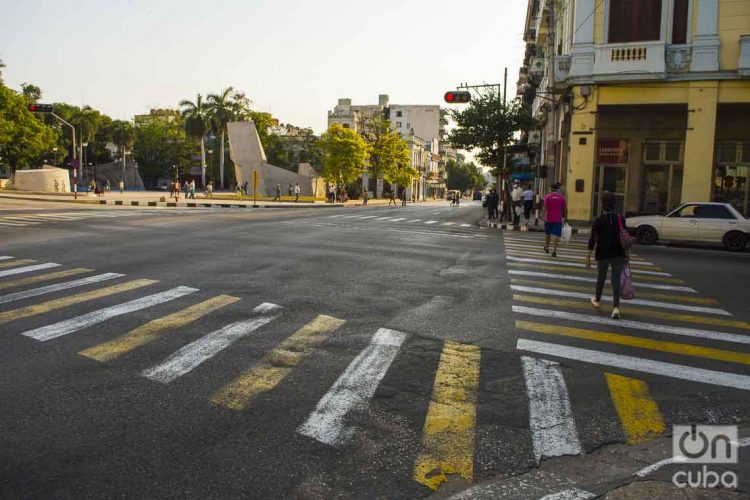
(612, 151)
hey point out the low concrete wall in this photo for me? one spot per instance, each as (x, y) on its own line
(47, 179)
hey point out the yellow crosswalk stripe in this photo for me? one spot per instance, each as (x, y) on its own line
(14, 263)
(448, 435)
(627, 340)
(668, 297)
(275, 366)
(43, 277)
(639, 277)
(51, 305)
(637, 311)
(638, 413)
(581, 259)
(152, 330)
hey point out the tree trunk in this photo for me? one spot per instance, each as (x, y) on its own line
(203, 162)
(221, 161)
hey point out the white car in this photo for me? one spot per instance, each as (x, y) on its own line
(699, 222)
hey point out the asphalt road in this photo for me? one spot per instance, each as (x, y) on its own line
(347, 352)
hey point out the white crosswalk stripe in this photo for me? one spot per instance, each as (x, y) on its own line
(576, 264)
(27, 269)
(35, 292)
(570, 277)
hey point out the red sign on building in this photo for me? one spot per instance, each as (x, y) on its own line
(612, 151)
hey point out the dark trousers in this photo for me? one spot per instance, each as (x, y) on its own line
(527, 206)
(617, 266)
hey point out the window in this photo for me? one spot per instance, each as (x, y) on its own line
(346, 125)
(687, 212)
(399, 114)
(680, 21)
(398, 124)
(715, 212)
(634, 20)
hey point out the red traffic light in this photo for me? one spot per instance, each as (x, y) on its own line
(456, 96)
(40, 108)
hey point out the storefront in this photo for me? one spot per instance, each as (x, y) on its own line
(732, 157)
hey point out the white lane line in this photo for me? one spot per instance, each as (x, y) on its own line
(448, 224)
(383, 218)
(27, 269)
(194, 354)
(335, 216)
(635, 325)
(13, 224)
(5, 257)
(570, 494)
(560, 249)
(399, 219)
(71, 325)
(689, 373)
(353, 389)
(20, 221)
(569, 277)
(24, 218)
(553, 428)
(431, 222)
(415, 220)
(368, 217)
(539, 253)
(640, 302)
(35, 292)
(465, 225)
(551, 260)
(55, 217)
(350, 216)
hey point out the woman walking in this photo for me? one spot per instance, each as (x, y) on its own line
(605, 237)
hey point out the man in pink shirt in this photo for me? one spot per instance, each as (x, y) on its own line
(555, 212)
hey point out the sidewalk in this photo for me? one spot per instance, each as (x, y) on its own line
(531, 228)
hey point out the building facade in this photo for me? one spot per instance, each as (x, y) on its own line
(648, 99)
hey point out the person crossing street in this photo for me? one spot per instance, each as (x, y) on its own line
(555, 212)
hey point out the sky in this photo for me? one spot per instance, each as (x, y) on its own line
(292, 58)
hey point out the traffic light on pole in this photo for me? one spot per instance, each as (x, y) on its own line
(41, 108)
(457, 96)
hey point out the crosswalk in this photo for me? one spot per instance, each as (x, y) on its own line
(402, 220)
(450, 435)
(37, 219)
(667, 320)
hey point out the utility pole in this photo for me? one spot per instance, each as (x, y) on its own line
(551, 84)
(505, 149)
(75, 178)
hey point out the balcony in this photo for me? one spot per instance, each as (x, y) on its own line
(562, 68)
(744, 65)
(639, 59)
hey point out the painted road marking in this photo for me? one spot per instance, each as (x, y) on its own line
(570, 494)
(27, 269)
(557, 262)
(431, 222)
(276, 365)
(465, 225)
(52, 305)
(448, 435)
(383, 218)
(643, 343)
(34, 292)
(12, 224)
(19, 262)
(21, 220)
(570, 277)
(635, 325)
(335, 216)
(448, 224)
(638, 412)
(194, 354)
(632, 363)
(5, 257)
(640, 302)
(399, 219)
(572, 258)
(152, 330)
(414, 220)
(561, 252)
(639, 312)
(553, 428)
(368, 217)
(592, 272)
(641, 294)
(43, 277)
(353, 389)
(72, 325)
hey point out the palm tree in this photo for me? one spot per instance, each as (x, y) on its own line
(196, 126)
(123, 135)
(221, 111)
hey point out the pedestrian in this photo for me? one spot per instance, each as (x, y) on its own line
(608, 251)
(121, 185)
(192, 189)
(209, 189)
(107, 186)
(171, 189)
(186, 188)
(365, 195)
(403, 197)
(297, 191)
(516, 197)
(489, 203)
(278, 193)
(244, 188)
(391, 198)
(330, 194)
(290, 190)
(176, 190)
(555, 212)
(528, 203)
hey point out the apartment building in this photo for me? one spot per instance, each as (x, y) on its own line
(648, 99)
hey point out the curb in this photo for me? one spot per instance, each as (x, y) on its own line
(173, 204)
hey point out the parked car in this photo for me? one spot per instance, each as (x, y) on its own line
(477, 195)
(695, 222)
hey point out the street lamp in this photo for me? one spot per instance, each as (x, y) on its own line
(210, 153)
(84, 157)
(54, 150)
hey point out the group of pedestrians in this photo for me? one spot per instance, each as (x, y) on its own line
(291, 190)
(608, 242)
(188, 188)
(101, 188)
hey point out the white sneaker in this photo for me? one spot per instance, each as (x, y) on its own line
(616, 313)
(595, 303)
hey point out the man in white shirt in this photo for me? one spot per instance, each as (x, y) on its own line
(296, 192)
(517, 197)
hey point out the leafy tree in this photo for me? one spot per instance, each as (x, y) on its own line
(463, 176)
(488, 124)
(345, 154)
(389, 153)
(196, 126)
(160, 144)
(222, 110)
(32, 93)
(24, 138)
(123, 135)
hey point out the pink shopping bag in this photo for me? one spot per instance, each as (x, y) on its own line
(627, 292)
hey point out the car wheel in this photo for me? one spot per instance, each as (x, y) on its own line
(646, 235)
(735, 241)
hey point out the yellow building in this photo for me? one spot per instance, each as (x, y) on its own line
(649, 99)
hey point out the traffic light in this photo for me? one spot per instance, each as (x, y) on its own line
(41, 108)
(457, 96)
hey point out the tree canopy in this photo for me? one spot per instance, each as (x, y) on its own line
(345, 154)
(389, 153)
(464, 176)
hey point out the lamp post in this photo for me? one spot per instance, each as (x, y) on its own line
(84, 157)
(176, 182)
(54, 150)
(210, 154)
